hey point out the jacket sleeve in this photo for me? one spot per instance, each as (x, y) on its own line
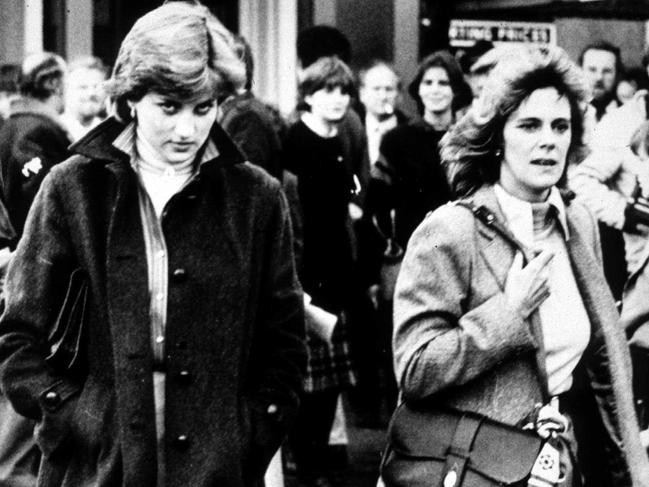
(592, 181)
(603, 181)
(438, 342)
(35, 284)
(278, 356)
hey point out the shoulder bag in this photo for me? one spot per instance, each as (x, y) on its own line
(443, 447)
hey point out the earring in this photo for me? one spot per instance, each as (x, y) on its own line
(498, 153)
(133, 112)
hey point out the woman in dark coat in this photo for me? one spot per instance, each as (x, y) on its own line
(314, 151)
(191, 352)
(408, 176)
(536, 345)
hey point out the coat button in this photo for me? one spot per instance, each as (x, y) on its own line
(272, 409)
(184, 376)
(51, 399)
(179, 275)
(182, 442)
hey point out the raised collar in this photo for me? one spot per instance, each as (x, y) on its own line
(98, 145)
(125, 142)
(518, 213)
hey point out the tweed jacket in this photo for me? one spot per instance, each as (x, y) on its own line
(234, 344)
(458, 341)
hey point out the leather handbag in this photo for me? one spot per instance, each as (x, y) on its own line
(436, 447)
(66, 337)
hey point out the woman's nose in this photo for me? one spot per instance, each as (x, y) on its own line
(185, 125)
(548, 136)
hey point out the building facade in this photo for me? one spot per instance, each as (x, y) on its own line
(401, 31)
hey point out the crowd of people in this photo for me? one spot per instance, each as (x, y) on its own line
(196, 286)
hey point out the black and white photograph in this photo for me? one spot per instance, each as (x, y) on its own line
(324, 243)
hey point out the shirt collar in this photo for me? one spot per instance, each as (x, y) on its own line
(373, 124)
(125, 142)
(518, 213)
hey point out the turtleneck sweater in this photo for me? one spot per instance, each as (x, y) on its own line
(160, 179)
(564, 320)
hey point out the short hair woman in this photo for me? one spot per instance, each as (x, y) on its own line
(314, 152)
(191, 352)
(478, 331)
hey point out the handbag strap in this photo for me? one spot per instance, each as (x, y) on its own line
(487, 217)
(459, 452)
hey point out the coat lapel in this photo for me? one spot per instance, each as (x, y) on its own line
(498, 246)
(497, 252)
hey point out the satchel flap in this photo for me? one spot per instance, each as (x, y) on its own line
(500, 452)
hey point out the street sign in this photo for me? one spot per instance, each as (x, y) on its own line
(465, 33)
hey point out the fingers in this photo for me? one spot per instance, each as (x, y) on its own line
(542, 259)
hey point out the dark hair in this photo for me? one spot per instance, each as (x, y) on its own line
(473, 53)
(41, 75)
(179, 49)
(322, 41)
(469, 149)
(243, 51)
(602, 45)
(462, 95)
(327, 73)
(9, 78)
(637, 75)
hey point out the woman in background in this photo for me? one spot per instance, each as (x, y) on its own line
(314, 151)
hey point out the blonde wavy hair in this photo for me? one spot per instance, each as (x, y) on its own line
(470, 150)
(179, 50)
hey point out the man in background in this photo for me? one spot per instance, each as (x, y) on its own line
(85, 100)
(379, 90)
(602, 64)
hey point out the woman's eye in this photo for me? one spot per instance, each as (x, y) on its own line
(562, 127)
(204, 108)
(169, 108)
(528, 126)
(444, 82)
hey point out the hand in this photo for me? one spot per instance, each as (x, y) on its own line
(355, 212)
(527, 287)
(373, 294)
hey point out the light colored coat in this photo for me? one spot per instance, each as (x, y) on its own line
(456, 337)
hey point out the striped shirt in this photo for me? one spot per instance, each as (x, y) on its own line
(154, 241)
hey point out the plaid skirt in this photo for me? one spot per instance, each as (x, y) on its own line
(330, 365)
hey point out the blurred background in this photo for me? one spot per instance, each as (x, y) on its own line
(401, 31)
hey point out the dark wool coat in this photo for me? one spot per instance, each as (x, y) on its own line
(234, 339)
(458, 341)
(32, 140)
(253, 127)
